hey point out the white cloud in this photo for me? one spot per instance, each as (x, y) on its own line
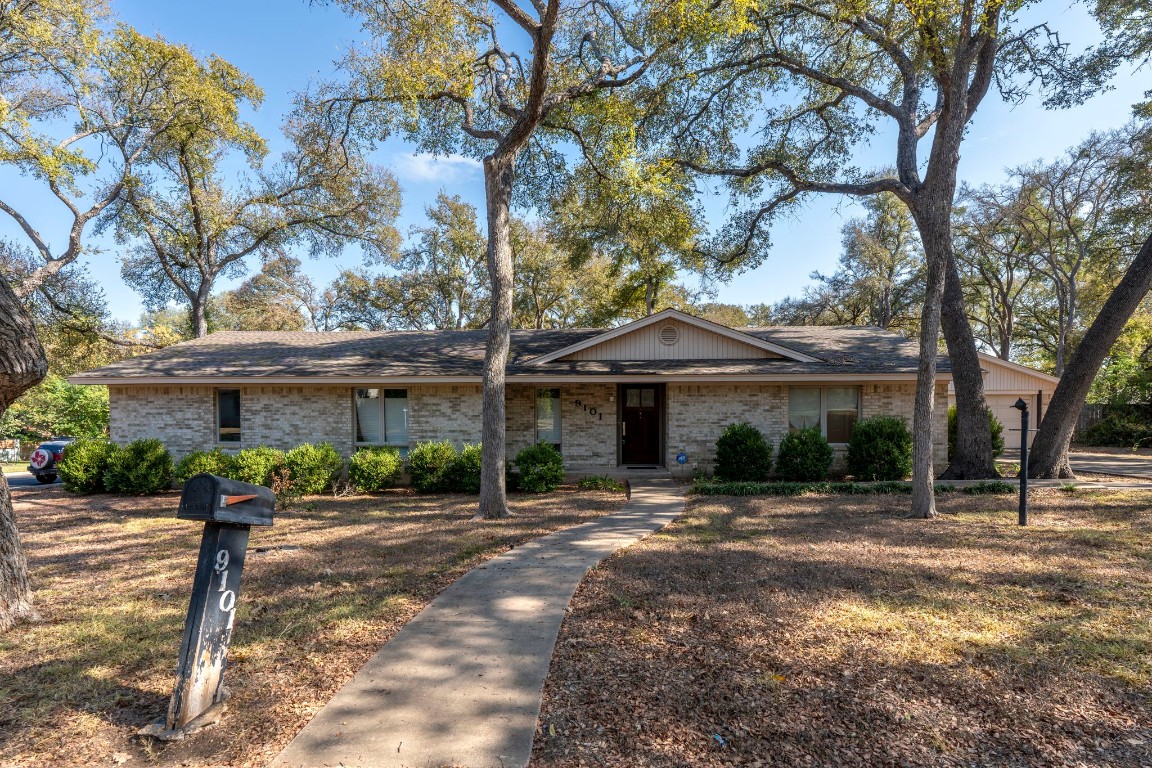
(425, 167)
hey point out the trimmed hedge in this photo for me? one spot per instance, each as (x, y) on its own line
(993, 424)
(430, 466)
(743, 453)
(880, 449)
(374, 469)
(83, 465)
(214, 462)
(1123, 430)
(312, 468)
(805, 456)
(464, 474)
(256, 465)
(140, 468)
(541, 468)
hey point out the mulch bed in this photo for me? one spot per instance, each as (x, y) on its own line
(323, 589)
(833, 631)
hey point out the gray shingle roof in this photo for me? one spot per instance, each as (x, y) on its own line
(367, 354)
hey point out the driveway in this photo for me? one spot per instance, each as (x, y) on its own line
(23, 480)
(1124, 464)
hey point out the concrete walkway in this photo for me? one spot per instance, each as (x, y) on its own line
(460, 684)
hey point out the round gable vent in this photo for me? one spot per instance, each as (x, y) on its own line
(669, 335)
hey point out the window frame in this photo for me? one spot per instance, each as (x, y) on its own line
(823, 390)
(403, 446)
(558, 416)
(220, 441)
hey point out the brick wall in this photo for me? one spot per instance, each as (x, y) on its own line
(184, 417)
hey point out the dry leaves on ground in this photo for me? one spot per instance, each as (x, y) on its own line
(833, 631)
(322, 590)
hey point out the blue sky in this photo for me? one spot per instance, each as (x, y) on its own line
(286, 44)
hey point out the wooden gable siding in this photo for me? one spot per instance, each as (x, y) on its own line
(1003, 378)
(693, 343)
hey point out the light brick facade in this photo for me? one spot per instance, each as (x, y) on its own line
(184, 417)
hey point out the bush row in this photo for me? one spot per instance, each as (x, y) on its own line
(93, 466)
(440, 468)
(705, 488)
(1121, 430)
(880, 449)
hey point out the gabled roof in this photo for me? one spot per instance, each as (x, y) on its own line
(668, 314)
(343, 357)
(988, 359)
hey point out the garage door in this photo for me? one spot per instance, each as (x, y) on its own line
(1001, 405)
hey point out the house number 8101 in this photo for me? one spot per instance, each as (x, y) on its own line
(591, 411)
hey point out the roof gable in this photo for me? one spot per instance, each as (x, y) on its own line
(673, 335)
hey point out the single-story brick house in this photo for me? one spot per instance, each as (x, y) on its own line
(644, 394)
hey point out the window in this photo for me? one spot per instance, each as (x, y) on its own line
(382, 417)
(548, 416)
(228, 415)
(833, 409)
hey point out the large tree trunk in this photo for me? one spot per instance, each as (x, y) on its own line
(22, 365)
(923, 477)
(498, 175)
(199, 314)
(1049, 455)
(972, 458)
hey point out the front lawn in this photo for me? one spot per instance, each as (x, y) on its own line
(833, 631)
(322, 590)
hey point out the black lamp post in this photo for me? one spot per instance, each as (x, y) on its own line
(1022, 406)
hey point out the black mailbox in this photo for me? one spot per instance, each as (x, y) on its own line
(220, 500)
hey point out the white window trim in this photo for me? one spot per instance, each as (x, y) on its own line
(383, 426)
(824, 405)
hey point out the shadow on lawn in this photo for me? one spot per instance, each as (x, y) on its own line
(803, 632)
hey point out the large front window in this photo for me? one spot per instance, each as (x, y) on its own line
(548, 416)
(382, 417)
(833, 409)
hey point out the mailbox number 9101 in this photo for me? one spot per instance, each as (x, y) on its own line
(227, 596)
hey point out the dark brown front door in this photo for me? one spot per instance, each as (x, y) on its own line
(640, 418)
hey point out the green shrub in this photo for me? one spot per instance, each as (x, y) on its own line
(805, 456)
(880, 449)
(312, 467)
(800, 489)
(141, 467)
(464, 474)
(743, 454)
(993, 424)
(1121, 430)
(991, 486)
(256, 465)
(83, 465)
(214, 462)
(430, 466)
(541, 468)
(600, 483)
(374, 469)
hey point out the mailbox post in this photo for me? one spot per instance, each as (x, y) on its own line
(228, 508)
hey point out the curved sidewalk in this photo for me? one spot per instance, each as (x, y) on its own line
(460, 684)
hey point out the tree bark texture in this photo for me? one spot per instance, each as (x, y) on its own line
(923, 476)
(22, 365)
(499, 171)
(1049, 455)
(972, 457)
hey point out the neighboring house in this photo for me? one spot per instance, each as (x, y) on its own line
(642, 394)
(1004, 384)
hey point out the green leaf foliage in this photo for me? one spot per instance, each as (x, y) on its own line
(880, 449)
(600, 483)
(141, 468)
(743, 454)
(55, 407)
(374, 469)
(214, 462)
(257, 465)
(313, 467)
(83, 465)
(430, 466)
(541, 468)
(464, 474)
(805, 456)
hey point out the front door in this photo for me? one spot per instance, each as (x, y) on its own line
(640, 422)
